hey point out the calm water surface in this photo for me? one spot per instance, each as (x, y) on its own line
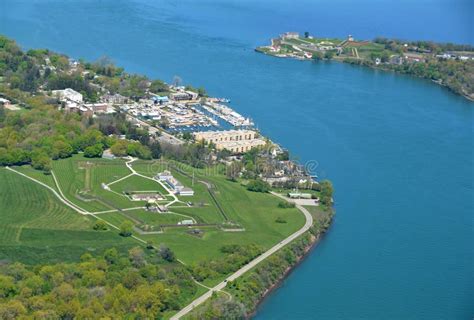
(399, 150)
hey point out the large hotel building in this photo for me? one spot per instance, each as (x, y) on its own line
(236, 141)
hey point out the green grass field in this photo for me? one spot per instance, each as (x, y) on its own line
(45, 224)
(81, 181)
(38, 228)
(256, 212)
(154, 218)
(138, 184)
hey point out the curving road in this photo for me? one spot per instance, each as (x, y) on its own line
(251, 264)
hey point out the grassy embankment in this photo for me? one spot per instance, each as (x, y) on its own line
(38, 228)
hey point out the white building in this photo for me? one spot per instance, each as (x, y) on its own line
(186, 222)
(290, 35)
(4, 102)
(68, 95)
(174, 184)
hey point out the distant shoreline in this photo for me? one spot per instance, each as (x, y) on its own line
(470, 98)
(448, 65)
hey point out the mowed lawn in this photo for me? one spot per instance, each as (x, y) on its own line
(81, 181)
(138, 184)
(37, 227)
(256, 212)
(53, 229)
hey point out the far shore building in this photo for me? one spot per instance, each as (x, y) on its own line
(290, 35)
(236, 141)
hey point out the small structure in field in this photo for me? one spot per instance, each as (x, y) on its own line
(299, 195)
(186, 222)
(146, 197)
(107, 154)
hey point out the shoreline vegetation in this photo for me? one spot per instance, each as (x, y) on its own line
(93, 223)
(449, 65)
(247, 293)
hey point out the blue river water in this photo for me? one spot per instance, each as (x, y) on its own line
(399, 150)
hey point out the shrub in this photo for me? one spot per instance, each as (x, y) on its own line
(166, 253)
(286, 204)
(100, 225)
(258, 186)
(280, 220)
(94, 151)
(126, 229)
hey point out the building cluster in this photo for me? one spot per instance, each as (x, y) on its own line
(73, 101)
(304, 48)
(175, 114)
(280, 173)
(177, 187)
(235, 141)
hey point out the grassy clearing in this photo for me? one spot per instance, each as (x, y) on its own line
(36, 174)
(81, 181)
(154, 218)
(138, 184)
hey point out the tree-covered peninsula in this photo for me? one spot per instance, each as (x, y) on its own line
(447, 64)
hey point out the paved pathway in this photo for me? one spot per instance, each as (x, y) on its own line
(251, 264)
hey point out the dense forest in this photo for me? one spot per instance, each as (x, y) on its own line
(140, 285)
